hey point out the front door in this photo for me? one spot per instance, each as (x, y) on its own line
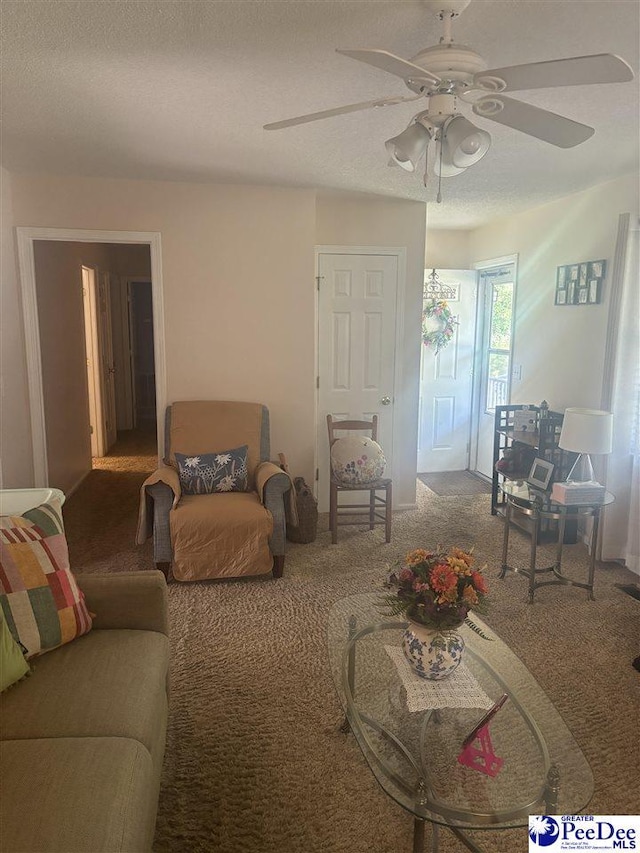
(446, 382)
(356, 349)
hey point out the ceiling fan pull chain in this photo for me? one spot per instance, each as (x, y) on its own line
(439, 196)
(426, 166)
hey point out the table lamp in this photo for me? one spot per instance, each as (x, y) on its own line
(586, 431)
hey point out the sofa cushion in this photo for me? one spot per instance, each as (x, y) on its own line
(39, 596)
(109, 683)
(207, 473)
(74, 795)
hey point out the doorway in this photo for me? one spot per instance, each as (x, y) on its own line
(46, 370)
(494, 355)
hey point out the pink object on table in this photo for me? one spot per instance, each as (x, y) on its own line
(482, 757)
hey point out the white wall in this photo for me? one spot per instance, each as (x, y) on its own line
(238, 269)
(373, 221)
(16, 463)
(447, 249)
(561, 348)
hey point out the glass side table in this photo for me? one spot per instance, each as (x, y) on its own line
(537, 505)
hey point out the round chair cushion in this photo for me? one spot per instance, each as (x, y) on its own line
(357, 460)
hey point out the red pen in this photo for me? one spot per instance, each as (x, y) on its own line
(483, 722)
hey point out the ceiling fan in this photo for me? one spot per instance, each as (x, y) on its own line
(449, 75)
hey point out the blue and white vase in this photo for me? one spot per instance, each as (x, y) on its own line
(432, 653)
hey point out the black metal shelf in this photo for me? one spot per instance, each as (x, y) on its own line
(541, 443)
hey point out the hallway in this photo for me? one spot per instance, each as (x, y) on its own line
(104, 509)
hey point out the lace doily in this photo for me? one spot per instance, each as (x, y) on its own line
(459, 690)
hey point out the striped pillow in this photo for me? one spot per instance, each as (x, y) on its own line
(39, 596)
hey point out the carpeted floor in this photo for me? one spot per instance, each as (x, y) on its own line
(451, 483)
(256, 762)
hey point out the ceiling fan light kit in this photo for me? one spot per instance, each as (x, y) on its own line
(467, 144)
(407, 148)
(450, 76)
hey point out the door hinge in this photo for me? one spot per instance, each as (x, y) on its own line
(318, 277)
(90, 430)
(317, 382)
(317, 474)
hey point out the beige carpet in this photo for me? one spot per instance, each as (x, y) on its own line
(255, 759)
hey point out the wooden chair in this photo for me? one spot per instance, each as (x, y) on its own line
(376, 502)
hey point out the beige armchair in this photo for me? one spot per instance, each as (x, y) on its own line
(202, 526)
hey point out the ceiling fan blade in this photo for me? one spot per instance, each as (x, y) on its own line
(338, 111)
(392, 64)
(550, 127)
(574, 71)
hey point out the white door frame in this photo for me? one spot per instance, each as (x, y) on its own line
(400, 252)
(26, 264)
(479, 354)
(92, 348)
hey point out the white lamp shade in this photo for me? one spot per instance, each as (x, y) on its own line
(408, 147)
(445, 168)
(465, 142)
(587, 431)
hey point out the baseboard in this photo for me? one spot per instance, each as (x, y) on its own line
(77, 484)
(404, 506)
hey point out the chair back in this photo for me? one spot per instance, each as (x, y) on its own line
(195, 427)
(360, 426)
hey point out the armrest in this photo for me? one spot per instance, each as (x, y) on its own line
(271, 481)
(136, 600)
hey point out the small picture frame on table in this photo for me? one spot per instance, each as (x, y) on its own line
(540, 474)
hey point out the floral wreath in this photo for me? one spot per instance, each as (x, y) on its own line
(439, 310)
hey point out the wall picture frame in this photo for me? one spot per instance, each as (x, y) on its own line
(540, 473)
(581, 283)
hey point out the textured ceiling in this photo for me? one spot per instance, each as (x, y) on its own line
(180, 90)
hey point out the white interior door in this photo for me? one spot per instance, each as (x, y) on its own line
(446, 383)
(92, 350)
(356, 349)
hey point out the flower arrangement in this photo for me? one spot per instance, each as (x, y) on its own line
(437, 310)
(436, 588)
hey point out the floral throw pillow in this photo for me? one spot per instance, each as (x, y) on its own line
(206, 473)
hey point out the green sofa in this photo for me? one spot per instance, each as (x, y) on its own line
(82, 738)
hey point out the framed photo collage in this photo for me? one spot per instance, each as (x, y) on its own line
(580, 284)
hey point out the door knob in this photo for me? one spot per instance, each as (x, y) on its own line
(386, 401)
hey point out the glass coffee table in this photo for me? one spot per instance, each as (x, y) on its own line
(414, 755)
